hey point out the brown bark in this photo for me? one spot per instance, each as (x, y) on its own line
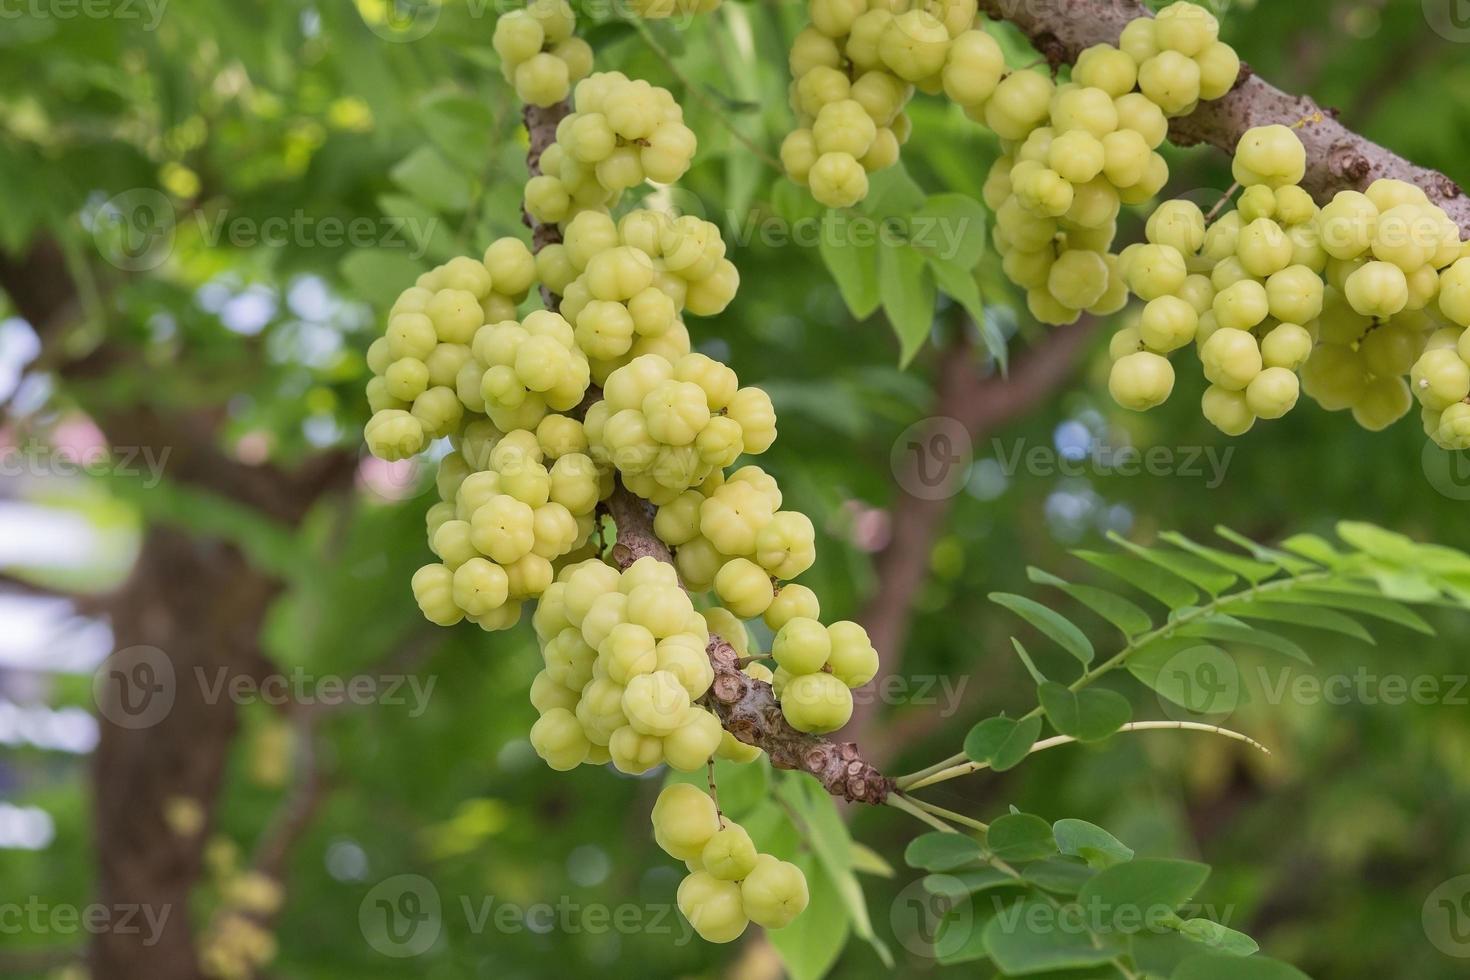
(747, 707)
(200, 604)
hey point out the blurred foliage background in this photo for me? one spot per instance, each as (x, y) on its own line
(212, 203)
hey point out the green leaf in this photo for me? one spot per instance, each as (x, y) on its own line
(1316, 549)
(1139, 894)
(1031, 937)
(962, 883)
(1224, 629)
(1195, 571)
(1301, 615)
(1168, 589)
(1021, 837)
(828, 837)
(941, 851)
(1219, 937)
(1049, 622)
(1384, 609)
(1088, 714)
(867, 861)
(1252, 571)
(1294, 566)
(1031, 668)
(461, 127)
(1002, 742)
(1199, 677)
(960, 285)
(1060, 876)
(1219, 966)
(812, 942)
(854, 266)
(1094, 845)
(426, 175)
(378, 275)
(950, 228)
(960, 937)
(1390, 546)
(1117, 610)
(907, 288)
(892, 193)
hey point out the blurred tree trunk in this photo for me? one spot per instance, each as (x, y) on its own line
(202, 605)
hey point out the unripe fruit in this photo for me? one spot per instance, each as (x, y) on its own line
(744, 588)
(1377, 289)
(1270, 155)
(1167, 323)
(1272, 393)
(1383, 402)
(853, 660)
(691, 745)
(774, 893)
(656, 704)
(802, 646)
(790, 602)
(1227, 410)
(973, 68)
(558, 739)
(818, 703)
(1287, 346)
(1440, 379)
(838, 180)
(433, 589)
(1231, 358)
(713, 907)
(1171, 81)
(480, 587)
(1141, 381)
(730, 855)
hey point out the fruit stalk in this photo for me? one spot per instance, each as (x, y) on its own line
(746, 706)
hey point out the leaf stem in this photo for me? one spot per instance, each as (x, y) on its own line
(1051, 743)
(958, 818)
(900, 802)
(912, 780)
